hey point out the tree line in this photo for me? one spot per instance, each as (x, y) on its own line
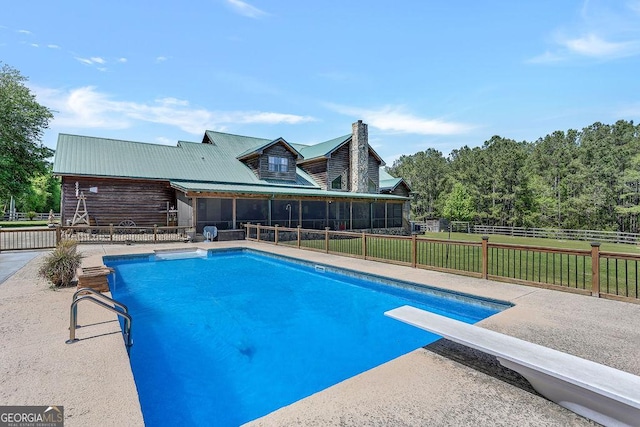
(25, 169)
(587, 179)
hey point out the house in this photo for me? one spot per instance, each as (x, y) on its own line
(227, 180)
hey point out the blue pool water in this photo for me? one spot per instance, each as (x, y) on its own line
(227, 338)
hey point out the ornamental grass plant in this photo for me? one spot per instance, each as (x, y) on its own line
(60, 265)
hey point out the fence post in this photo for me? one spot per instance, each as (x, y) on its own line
(485, 257)
(364, 245)
(58, 235)
(155, 232)
(111, 232)
(258, 232)
(595, 269)
(299, 230)
(414, 251)
(1, 238)
(326, 239)
(275, 237)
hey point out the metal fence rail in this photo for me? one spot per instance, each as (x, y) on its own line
(541, 266)
(605, 274)
(44, 237)
(27, 238)
(450, 256)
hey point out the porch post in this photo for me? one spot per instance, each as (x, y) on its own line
(233, 213)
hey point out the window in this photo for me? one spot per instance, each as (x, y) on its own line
(394, 215)
(218, 212)
(378, 211)
(373, 188)
(336, 184)
(361, 213)
(278, 164)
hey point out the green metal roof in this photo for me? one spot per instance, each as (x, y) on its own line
(191, 161)
(209, 166)
(277, 190)
(388, 182)
(322, 149)
(261, 147)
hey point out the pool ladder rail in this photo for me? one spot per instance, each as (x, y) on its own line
(103, 301)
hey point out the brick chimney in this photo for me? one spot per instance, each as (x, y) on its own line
(359, 154)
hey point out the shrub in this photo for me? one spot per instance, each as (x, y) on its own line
(31, 215)
(60, 265)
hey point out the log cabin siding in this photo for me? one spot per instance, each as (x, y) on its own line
(318, 171)
(374, 172)
(337, 164)
(254, 165)
(401, 190)
(141, 201)
(278, 150)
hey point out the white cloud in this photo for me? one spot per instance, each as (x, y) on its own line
(53, 46)
(395, 119)
(165, 141)
(161, 58)
(122, 60)
(94, 60)
(594, 46)
(245, 9)
(84, 60)
(86, 107)
(35, 45)
(25, 32)
(603, 32)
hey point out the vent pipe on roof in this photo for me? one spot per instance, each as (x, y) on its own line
(359, 157)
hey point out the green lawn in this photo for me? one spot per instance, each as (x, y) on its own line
(574, 271)
(531, 241)
(12, 224)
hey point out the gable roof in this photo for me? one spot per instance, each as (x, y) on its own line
(389, 183)
(259, 149)
(189, 161)
(325, 149)
(213, 162)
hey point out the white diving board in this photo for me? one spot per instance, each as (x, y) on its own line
(606, 395)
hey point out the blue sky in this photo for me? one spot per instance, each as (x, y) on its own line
(421, 73)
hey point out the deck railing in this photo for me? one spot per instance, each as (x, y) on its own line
(126, 234)
(604, 274)
(44, 237)
(12, 239)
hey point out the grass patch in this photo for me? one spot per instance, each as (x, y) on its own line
(532, 241)
(14, 224)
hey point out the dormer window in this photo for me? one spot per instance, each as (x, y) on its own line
(336, 184)
(373, 188)
(278, 164)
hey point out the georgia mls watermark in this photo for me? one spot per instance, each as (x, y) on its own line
(31, 416)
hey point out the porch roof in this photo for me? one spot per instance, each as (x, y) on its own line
(276, 190)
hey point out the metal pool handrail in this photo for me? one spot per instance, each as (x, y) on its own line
(98, 294)
(73, 315)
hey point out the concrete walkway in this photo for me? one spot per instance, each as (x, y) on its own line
(10, 262)
(441, 385)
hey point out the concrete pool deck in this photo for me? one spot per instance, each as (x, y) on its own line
(93, 381)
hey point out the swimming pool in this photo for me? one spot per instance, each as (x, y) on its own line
(228, 336)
